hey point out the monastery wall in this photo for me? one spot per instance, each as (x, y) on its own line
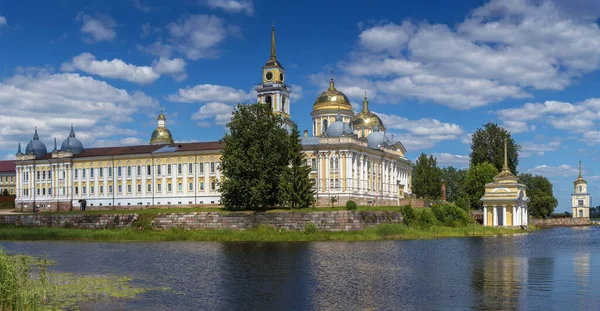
(559, 222)
(96, 221)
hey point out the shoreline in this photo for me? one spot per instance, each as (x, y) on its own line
(263, 233)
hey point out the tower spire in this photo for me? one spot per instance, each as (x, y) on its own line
(273, 52)
(580, 176)
(365, 103)
(331, 82)
(35, 135)
(505, 167)
(72, 133)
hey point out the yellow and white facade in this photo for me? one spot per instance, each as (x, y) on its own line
(164, 173)
(7, 177)
(505, 200)
(580, 198)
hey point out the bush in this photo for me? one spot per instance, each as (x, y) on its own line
(451, 215)
(310, 228)
(408, 214)
(426, 219)
(351, 205)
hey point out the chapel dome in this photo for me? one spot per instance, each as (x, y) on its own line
(367, 119)
(161, 135)
(338, 128)
(377, 139)
(332, 99)
(72, 143)
(36, 147)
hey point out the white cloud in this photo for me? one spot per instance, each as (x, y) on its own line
(447, 159)
(3, 21)
(115, 69)
(503, 49)
(127, 141)
(221, 113)
(174, 67)
(138, 5)
(563, 170)
(208, 93)
(530, 148)
(467, 139)
(194, 36)
(419, 134)
(232, 6)
(51, 102)
(98, 27)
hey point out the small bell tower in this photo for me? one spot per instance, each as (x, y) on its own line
(273, 90)
(581, 197)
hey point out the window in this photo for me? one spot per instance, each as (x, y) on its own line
(139, 171)
(201, 186)
(91, 189)
(580, 188)
(169, 169)
(44, 191)
(159, 188)
(101, 189)
(110, 171)
(314, 164)
(120, 188)
(38, 175)
(44, 176)
(580, 202)
(201, 168)
(110, 189)
(148, 170)
(158, 167)
(179, 171)
(139, 190)
(63, 174)
(191, 187)
(179, 187)
(91, 173)
(128, 188)
(100, 172)
(324, 126)
(83, 172)
(76, 190)
(49, 191)
(83, 189)
(169, 188)
(49, 175)
(128, 171)
(212, 185)
(190, 168)
(149, 188)
(119, 171)
(212, 167)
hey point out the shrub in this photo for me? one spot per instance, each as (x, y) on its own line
(310, 228)
(351, 205)
(451, 215)
(426, 219)
(408, 214)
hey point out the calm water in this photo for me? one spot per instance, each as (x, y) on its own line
(546, 270)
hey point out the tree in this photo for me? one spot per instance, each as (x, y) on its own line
(427, 177)
(539, 190)
(488, 146)
(5, 192)
(296, 188)
(454, 181)
(255, 155)
(474, 184)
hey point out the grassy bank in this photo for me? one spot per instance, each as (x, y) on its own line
(262, 233)
(28, 284)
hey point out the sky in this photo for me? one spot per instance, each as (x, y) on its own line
(433, 72)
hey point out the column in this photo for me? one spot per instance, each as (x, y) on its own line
(504, 215)
(514, 216)
(485, 215)
(327, 168)
(495, 216)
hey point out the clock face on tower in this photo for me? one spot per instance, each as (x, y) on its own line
(281, 76)
(269, 76)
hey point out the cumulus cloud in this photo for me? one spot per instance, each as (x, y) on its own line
(210, 93)
(503, 49)
(420, 134)
(52, 102)
(118, 69)
(97, 27)
(220, 112)
(530, 148)
(194, 36)
(3, 21)
(231, 6)
(138, 5)
(448, 159)
(563, 170)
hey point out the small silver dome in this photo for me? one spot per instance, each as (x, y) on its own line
(36, 147)
(377, 139)
(72, 143)
(338, 128)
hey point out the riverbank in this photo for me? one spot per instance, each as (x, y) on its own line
(261, 234)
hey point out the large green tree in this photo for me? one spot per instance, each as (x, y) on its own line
(539, 190)
(255, 155)
(427, 177)
(296, 188)
(454, 181)
(487, 145)
(474, 184)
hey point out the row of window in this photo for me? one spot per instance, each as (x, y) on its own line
(9, 190)
(129, 170)
(6, 179)
(42, 191)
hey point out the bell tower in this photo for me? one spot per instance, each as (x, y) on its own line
(580, 197)
(273, 90)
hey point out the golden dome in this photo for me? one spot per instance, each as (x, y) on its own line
(332, 99)
(161, 135)
(367, 119)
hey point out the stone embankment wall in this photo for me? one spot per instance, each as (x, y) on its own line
(327, 221)
(559, 222)
(106, 221)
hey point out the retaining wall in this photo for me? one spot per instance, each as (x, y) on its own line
(559, 222)
(106, 221)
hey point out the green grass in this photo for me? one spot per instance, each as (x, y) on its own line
(262, 233)
(27, 284)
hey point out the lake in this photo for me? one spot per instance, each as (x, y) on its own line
(545, 270)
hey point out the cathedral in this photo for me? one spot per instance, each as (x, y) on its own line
(350, 155)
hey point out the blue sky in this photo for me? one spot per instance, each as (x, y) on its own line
(433, 72)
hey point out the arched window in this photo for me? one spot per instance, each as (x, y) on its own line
(331, 162)
(324, 126)
(580, 188)
(283, 104)
(269, 102)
